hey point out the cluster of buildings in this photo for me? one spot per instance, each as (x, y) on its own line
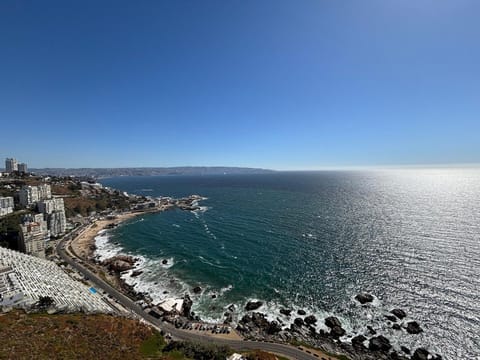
(12, 165)
(47, 218)
(36, 229)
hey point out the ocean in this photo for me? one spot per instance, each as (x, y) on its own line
(312, 241)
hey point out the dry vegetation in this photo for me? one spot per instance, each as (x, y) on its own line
(42, 336)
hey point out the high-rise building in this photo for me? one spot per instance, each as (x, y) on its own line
(29, 195)
(57, 223)
(54, 211)
(11, 165)
(33, 235)
(22, 168)
(6, 205)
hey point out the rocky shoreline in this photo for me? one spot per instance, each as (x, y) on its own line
(254, 325)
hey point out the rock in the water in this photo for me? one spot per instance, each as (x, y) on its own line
(358, 340)
(119, 263)
(228, 318)
(136, 273)
(420, 354)
(310, 320)
(273, 328)
(286, 312)
(396, 356)
(164, 261)
(405, 349)
(253, 305)
(379, 343)
(301, 312)
(364, 298)
(371, 330)
(337, 331)
(391, 318)
(399, 313)
(187, 306)
(214, 296)
(299, 322)
(332, 321)
(414, 328)
(396, 327)
(197, 290)
(231, 307)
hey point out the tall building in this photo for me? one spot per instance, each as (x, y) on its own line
(6, 205)
(11, 165)
(54, 211)
(34, 235)
(29, 195)
(22, 168)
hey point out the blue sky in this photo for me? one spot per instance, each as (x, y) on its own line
(273, 84)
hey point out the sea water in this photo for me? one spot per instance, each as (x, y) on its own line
(312, 241)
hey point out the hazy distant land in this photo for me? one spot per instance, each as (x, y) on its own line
(148, 171)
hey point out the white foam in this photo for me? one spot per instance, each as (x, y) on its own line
(104, 248)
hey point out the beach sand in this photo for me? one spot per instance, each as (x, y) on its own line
(84, 244)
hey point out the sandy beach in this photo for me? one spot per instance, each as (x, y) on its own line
(83, 244)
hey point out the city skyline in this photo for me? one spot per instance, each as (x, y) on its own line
(277, 85)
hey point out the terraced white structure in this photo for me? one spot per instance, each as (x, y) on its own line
(24, 279)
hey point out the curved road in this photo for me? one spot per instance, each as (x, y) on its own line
(280, 349)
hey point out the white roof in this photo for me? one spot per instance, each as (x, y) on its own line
(171, 304)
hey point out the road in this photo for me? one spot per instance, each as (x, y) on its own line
(239, 345)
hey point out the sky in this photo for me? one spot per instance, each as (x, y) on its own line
(306, 84)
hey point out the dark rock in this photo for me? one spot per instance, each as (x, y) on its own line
(301, 312)
(136, 273)
(358, 340)
(364, 298)
(399, 313)
(437, 357)
(332, 321)
(187, 306)
(396, 356)
(414, 328)
(197, 290)
(405, 349)
(253, 305)
(299, 322)
(273, 328)
(286, 312)
(164, 261)
(165, 291)
(371, 330)
(231, 307)
(420, 354)
(246, 319)
(310, 320)
(214, 296)
(391, 318)
(379, 343)
(396, 327)
(228, 318)
(337, 331)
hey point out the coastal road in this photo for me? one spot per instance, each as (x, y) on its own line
(280, 349)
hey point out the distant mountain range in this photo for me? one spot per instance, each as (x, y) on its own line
(147, 171)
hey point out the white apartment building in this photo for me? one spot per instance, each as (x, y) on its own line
(54, 211)
(11, 165)
(34, 235)
(29, 195)
(6, 205)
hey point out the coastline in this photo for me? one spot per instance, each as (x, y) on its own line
(84, 244)
(254, 325)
